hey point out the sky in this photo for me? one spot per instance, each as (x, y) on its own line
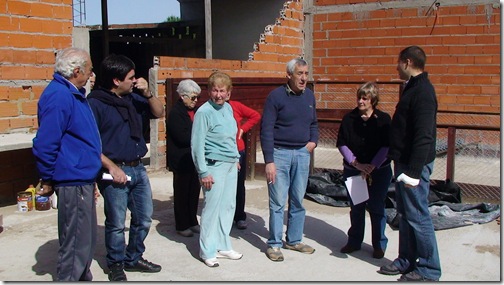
(131, 11)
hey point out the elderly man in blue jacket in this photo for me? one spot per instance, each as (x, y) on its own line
(67, 149)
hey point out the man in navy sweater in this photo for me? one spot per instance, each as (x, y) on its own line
(289, 134)
(413, 149)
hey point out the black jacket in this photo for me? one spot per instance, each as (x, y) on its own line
(178, 130)
(364, 138)
(413, 128)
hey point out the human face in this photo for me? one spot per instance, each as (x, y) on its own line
(125, 86)
(402, 69)
(83, 74)
(219, 94)
(92, 80)
(190, 100)
(298, 79)
(364, 104)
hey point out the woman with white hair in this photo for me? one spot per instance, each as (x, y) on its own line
(186, 186)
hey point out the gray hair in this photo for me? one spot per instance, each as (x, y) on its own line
(291, 65)
(69, 59)
(188, 87)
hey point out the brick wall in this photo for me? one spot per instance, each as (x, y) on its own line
(361, 41)
(281, 41)
(30, 33)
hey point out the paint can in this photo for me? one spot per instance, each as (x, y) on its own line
(24, 201)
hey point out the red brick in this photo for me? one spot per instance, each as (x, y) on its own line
(31, 25)
(20, 41)
(490, 90)
(62, 12)
(29, 108)
(12, 72)
(8, 109)
(18, 8)
(4, 127)
(19, 123)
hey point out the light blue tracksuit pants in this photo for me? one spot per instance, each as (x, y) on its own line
(218, 209)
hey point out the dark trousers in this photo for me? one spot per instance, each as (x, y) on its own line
(76, 231)
(240, 214)
(186, 191)
(381, 178)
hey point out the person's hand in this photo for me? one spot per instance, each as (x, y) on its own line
(367, 168)
(310, 146)
(270, 172)
(118, 175)
(96, 193)
(240, 133)
(46, 189)
(143, 86)
(238, 166)
(207, 182)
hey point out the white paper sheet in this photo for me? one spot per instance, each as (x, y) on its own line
(357, 188)
(107, 176)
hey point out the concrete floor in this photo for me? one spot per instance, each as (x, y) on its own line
(29, 244)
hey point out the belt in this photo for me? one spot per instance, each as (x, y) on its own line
(128, 163)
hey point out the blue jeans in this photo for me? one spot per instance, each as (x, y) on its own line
(292, 170)
(136, 195)
(417, 240)
(218, 209)
(378, 189)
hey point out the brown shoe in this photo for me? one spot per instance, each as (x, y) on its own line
(274, 254)
(301, 247)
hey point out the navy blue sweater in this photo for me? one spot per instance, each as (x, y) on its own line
(288, 121)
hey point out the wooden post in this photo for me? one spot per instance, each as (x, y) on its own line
(450, 156)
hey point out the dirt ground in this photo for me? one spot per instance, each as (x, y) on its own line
(29, 244)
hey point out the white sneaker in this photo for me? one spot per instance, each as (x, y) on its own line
(211, 262)
(229, 254)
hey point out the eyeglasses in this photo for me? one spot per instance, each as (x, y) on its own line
(193, 98)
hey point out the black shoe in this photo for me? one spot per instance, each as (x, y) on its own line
(415, 277)
(390, 269)
(348, 249)
(378, 253)
(143, 266)
(116, 272)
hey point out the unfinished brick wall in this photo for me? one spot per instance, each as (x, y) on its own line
(30, 33)
(462, 43)
(280, 42)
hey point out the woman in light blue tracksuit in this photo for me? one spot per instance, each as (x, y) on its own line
(215, 155)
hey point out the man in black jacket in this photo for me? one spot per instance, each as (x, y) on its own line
(413, 149)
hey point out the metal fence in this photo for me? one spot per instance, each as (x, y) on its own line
(468, 144)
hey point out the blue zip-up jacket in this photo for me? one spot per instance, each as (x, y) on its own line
(67, 146)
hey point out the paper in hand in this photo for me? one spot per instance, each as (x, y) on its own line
(107, 176)
(357, 188)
